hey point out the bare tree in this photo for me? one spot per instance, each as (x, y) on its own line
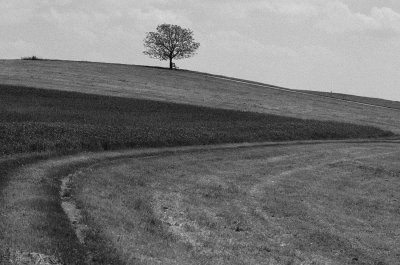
(170, 42)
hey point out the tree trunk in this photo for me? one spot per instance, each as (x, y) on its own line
(170, 63)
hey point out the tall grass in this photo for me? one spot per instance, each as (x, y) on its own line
(37, 120)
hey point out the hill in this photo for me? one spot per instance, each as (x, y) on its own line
(196, 89)
(292, 202)
(39, 120)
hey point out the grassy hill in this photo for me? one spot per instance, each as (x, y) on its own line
(375, 101)
(140, 206)
(194, 88)
(37, 120)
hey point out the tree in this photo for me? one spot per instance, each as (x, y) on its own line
(170, 42)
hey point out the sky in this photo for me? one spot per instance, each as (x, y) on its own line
(344, 46)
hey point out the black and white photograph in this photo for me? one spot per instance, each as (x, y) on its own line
(200, 132)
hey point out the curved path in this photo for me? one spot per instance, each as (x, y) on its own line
(32, 219)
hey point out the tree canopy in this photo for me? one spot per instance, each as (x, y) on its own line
(170, 42)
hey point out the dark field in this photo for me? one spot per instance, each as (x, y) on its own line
(37, 120)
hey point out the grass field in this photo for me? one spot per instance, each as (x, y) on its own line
(321, 204)
(35, 120)
(299, 202)
(189, 88)
(287, 204)
(376, 101)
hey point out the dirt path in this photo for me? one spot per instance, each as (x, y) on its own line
(32, 219)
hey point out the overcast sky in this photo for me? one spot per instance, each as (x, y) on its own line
(346, 46)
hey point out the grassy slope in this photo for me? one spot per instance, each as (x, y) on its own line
(346, 97)
(49, 120)
(56, 117)
(188, 87)
(329, 204)
(375, 101)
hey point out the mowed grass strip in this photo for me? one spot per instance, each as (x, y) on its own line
(373, 101)
(37, 120)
